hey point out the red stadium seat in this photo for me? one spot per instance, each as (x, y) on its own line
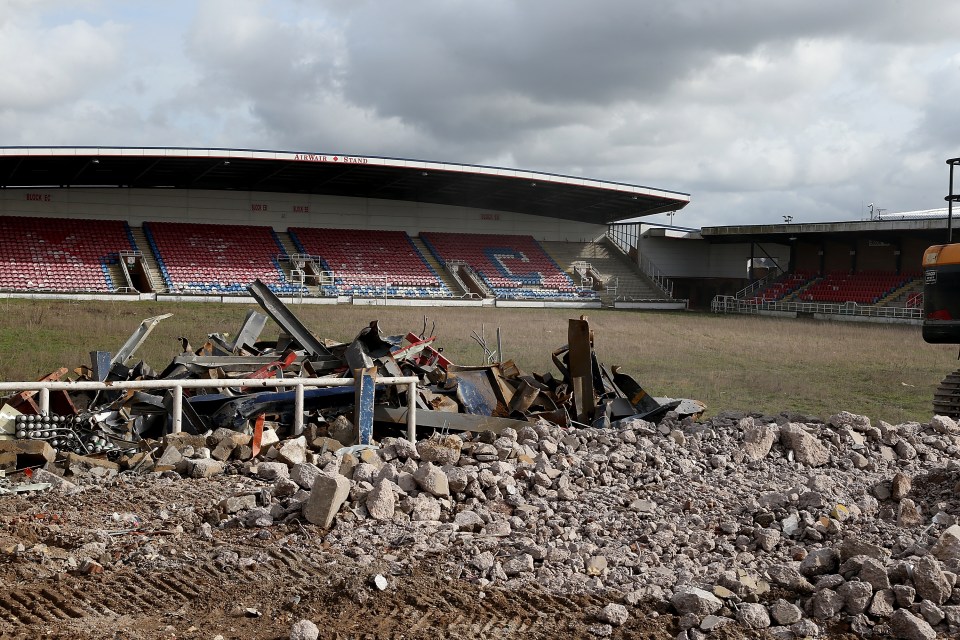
(212, 258)
(59, 254)
(371, 262)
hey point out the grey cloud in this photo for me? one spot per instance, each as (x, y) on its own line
(758, 108)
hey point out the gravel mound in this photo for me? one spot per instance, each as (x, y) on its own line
(785, 524)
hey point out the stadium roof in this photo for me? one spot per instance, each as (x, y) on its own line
(933, 230)
(530, 192)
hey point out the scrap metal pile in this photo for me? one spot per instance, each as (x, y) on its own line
(117, 424)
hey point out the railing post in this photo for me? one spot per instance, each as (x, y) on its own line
(177, 409)
(298, 410)
(412, 412)
(44, 401)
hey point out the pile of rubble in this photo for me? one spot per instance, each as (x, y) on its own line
(739, 523)
(133, 405)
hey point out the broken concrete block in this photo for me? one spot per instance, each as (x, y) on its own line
(757, 439)
(235, 504)
(371, 457)
(293, 451)
(171, 460)
(343, 431)
(806, 448)
(243, 452)
(693, 600)
(440, 450)
(381, 502)
(906, 625)
(432, 480)
(405, 449)
(324, 444)
(947, 548)
(614, 614)
(223, 449)
(425, 509)
(272, 470)
(77, 464)
(57, 483)
(304, 630)
(268, 438)
(204, 468)
(28, 453)
(328, 494)
(304, 474)
(930, 581)
(348, 463)
(182, 440)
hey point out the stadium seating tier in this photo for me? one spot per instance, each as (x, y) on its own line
(218, 259)
(512, 266)
(370, 262)
(68, 255)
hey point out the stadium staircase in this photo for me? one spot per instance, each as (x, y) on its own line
(909, 295)
(118, 278)
(620, 278)
(149, 260)
(445, 275)
(311, 269)
(375, 263)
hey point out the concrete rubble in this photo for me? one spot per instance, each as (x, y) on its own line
(786, 524)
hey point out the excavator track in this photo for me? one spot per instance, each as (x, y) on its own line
(946, 399)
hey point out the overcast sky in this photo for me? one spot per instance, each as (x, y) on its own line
(757, 108)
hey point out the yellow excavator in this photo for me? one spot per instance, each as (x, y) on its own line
(941, 304)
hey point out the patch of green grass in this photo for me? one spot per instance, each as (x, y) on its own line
(730, 362)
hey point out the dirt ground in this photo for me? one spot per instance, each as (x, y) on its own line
(163, 576)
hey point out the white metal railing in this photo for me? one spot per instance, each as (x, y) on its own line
(138, 255)
(730, 304)
(454, 266)
(762, 283)
(653, 272)
(621, 242)
(451, 267)
(179, 385)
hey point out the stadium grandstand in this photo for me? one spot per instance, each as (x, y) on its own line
(180, 223)
(202, 224)
(860, 270)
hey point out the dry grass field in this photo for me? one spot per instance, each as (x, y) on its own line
(729, 362)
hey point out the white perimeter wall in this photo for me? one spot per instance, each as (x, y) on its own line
(689, 258)
(281, 210)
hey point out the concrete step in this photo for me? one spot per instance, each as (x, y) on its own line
(290, 247)
(149, 260)
(621, 278)
(119, 279)
(455, 289)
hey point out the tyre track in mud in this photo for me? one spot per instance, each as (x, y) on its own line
(205, 591)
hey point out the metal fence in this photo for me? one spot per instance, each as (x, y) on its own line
(730, 304)
(179, 385)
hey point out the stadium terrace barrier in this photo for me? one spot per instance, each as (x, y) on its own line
(730, 304)
(179, 385)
